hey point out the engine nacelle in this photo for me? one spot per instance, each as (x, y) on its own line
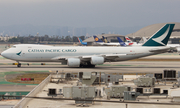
(73, 62)
(97, 60)
(178, 49)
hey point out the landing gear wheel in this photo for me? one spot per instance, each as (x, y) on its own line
(86, 66)
(81, 66)
(92, 66)
(19, 65)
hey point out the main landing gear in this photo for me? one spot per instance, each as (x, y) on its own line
(87, 65)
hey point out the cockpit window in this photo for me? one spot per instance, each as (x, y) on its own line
(13, 47)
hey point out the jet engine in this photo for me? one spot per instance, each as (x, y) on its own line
(178, 49)
(73, 62)
(97, 60)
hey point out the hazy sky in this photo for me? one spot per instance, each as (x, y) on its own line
(89, 13)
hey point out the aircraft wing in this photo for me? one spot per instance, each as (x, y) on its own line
(112, 56)
(88, 58)
(106, 56)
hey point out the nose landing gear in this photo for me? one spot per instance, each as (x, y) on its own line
(18, 64)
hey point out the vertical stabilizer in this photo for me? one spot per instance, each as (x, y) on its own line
(81, 42)
(97, 39)
(129, 40)
(161, 37)
(105, 39)
(121, 42)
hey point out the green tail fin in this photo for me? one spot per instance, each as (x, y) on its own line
(161, 37)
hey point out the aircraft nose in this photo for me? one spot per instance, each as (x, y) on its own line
(2, 54)
(5, 54)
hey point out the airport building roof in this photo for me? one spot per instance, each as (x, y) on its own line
(39, 97)
(148, 31)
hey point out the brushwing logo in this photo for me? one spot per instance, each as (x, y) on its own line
(19, 53)
(161, 38)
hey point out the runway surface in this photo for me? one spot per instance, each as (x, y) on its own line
(122, 67)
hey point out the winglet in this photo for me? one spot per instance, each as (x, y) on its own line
(161, 37)
(97, 39)
(121, 42)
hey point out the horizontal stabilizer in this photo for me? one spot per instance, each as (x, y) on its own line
(159, 50)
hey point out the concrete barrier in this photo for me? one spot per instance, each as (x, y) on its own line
(34, 92)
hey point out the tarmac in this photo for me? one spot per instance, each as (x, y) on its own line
(122, 67)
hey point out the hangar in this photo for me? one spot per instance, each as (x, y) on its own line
(147, 32)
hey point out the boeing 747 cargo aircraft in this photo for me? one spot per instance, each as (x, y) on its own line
(81, 56)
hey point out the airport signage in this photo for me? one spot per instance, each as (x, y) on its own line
(27, 79)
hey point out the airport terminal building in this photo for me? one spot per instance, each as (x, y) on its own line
(147, 32)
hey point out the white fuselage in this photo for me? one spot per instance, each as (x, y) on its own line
(45, 53)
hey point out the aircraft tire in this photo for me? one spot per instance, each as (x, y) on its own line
(93, 66)
(81, 66)
(90, 66)
(19, 65)
(86, 66)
